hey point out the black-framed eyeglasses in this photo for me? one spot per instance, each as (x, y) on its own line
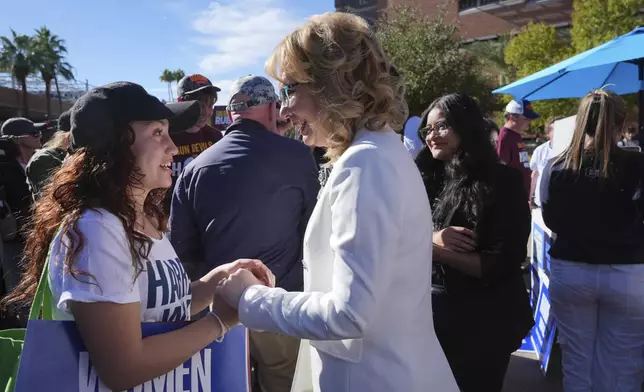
(441, 127)
(286, 92)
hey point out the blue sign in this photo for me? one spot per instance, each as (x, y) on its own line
(534, 289)
(543, 332)
(54, 354)
(547, 243)
(538, 236)
(542, 336)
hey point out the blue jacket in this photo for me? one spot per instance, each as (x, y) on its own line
(248, 196)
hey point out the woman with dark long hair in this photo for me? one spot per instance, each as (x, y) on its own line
(100, 228)
(481, 227)
(593, 200)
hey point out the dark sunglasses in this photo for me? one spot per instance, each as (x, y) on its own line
(286, 91)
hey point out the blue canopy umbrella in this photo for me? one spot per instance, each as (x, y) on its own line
(619, 63)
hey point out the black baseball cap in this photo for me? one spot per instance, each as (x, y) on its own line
(99, 114)
(195, 83)
(186, 115)
(19, 126)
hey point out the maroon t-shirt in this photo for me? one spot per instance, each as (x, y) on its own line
(190, 145)
(512, 151)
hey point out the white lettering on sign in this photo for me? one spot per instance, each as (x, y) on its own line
(196, 371)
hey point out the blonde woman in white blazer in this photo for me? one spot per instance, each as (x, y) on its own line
(366, 310)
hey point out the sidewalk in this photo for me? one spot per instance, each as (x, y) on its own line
(524, 375)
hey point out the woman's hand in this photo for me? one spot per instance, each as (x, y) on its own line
(232, 288)
(258, 269)
(203, 290)
(458, 239)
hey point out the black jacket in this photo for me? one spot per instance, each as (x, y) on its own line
(497, 305)
(14, 182)
(597, 221)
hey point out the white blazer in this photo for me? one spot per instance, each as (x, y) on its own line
(366, 309)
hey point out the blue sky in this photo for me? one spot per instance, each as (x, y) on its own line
(135, 40)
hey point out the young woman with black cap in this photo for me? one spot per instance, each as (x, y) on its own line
(110, 265)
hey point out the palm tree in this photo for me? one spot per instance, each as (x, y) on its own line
(167, 76)
(178, 74)
(50, 51)
(17, 57)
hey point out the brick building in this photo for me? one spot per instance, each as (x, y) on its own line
(479, 19)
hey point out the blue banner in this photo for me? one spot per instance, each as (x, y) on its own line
(543, 332)
(54, 355)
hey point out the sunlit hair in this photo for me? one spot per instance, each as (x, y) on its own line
(351, 80)
(600, 119)
(87, 181)
(61, 140)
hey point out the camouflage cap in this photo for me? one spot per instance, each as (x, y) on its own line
(259, 90)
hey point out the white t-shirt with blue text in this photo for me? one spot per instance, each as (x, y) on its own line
(108, 273)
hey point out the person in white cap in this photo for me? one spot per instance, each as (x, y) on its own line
(511, 147)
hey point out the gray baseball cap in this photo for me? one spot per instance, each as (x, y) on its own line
(259, 90)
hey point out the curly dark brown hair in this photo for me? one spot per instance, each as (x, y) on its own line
(86, 180)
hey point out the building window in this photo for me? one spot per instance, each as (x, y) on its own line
(464, 5)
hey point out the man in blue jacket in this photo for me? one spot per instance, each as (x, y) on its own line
(249, 196)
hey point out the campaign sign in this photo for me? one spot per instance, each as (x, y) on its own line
(54, 358)
(220, 118)
(537, 245)
(547, 243)
(534, 289)
(526, 345)
(543, 332)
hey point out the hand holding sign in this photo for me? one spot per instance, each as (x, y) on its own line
(232, 288)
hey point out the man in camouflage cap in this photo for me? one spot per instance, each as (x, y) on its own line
(251, 91)
(249, 196)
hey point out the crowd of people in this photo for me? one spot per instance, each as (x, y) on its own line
(358, 262)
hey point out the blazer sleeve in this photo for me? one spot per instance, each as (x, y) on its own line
(507, 228)
(365, 227)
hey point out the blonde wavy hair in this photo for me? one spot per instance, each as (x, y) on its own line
(61, 140)
(340, 59)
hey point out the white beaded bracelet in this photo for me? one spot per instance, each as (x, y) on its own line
(224, 327)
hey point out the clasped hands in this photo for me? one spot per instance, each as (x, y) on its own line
(455, 238)
(231, 281)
